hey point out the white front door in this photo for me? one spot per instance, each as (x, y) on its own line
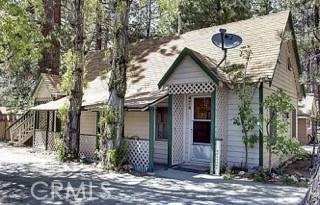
(200, 129)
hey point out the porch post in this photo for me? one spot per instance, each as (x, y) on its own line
(213, 131)
(35, 125)
(152, 110)
(47, 129)
(97, 130)
(261, 125)
(170, 103)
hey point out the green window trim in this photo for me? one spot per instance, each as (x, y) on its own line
(261, 125)
(213, 132)
(152, 110)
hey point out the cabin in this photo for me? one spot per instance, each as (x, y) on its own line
(178, 106)
(307, 117)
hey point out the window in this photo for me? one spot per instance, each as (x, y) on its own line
(161, 123)
(201, 120)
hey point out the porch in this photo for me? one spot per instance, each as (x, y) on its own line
(182, 129)
(47, 130)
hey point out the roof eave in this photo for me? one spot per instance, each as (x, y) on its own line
(186, 52)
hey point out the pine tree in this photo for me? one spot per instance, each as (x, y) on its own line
(111, 144)
(71, 134)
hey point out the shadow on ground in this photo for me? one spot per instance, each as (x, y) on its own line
(57, 183)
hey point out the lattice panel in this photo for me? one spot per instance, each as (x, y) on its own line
(52, 137)
(51, 117)
(206, 87)
(40, 139)
(177, 132)
(42, 120)
(222, 120)
(138, 154)
(87, 147)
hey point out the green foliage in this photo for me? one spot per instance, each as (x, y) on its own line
(244, 89)
(196, 14)
(63, 113)
(68, 79)
(168, 16)
(21, 43)
(227, 176)
(257, 177)
(277, 125)
(19, 32)
(62, 156)
(117, 154)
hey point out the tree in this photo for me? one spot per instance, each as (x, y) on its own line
(197, 14)
(21, 44)
(71, 134)
(244, 89)
(50, 60)
(278, 104)
(111, 144)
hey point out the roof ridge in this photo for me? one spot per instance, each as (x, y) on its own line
(240, 21)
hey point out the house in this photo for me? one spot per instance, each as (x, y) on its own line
(177, 105)
(307, 115)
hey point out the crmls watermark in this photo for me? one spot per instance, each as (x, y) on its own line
(57, 190)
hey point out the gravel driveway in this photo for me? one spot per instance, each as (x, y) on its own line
(34, 178)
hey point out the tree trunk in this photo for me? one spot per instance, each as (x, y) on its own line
(149, 14)
(50, 62)
(114, 126)
(72, 128)
(98, 28)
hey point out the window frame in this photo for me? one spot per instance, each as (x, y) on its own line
(156, 137)
(198, 120)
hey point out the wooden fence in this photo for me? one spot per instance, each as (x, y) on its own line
(5, 121)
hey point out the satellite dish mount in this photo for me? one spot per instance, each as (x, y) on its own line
(225, 41)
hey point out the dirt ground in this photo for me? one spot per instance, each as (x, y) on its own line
(299, 167)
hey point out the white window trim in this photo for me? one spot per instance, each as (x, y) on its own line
(197, 120)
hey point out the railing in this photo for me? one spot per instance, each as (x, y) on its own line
(138, 153)
(22, 129)
(47, 141)
(87, 147)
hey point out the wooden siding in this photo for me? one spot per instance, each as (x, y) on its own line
(188, 72)
(288, 81)
(42, 91)
(136, 124)
(304, 130)
(88, 124)
(161, 152)
(235, 146)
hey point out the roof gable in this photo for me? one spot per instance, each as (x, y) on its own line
(202, 63)
(47, 86)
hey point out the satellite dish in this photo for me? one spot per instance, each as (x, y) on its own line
(226, 40)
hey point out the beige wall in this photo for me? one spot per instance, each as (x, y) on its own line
(235, 146)
(42, 91)
(136, 124)
(188, 72)
(303, 130)
(288, 81)
(88, 123)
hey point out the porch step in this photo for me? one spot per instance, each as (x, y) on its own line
(195, 168)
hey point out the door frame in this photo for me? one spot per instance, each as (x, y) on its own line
(191, 119)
